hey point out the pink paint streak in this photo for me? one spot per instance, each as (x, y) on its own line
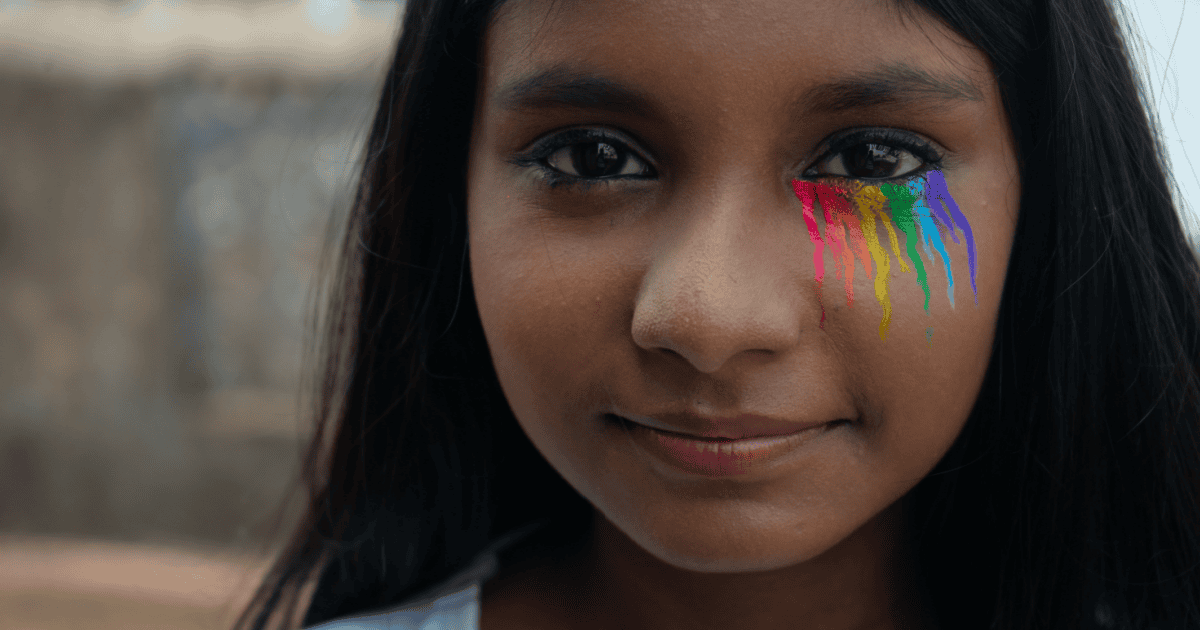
(838, 215)
(804, 190)
(806, 194)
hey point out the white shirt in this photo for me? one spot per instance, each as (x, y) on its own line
(452, 605)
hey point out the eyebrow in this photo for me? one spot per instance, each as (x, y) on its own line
(889, 84)
(897, 84)
(563, 87)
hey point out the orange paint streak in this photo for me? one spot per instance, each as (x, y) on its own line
(840, 219)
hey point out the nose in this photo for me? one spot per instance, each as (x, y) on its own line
(726, 282)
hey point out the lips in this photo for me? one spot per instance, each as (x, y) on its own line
(739, 449)
(713, 428)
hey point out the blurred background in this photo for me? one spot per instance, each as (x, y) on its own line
(168, 173)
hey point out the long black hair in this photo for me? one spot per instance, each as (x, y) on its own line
(1070, 500)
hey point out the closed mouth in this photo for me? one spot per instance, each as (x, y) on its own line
(628, 424)
(720, 456)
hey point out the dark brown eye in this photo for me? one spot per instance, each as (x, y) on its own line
(595, 160)
(870, 161)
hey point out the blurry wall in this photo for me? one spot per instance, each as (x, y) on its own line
(168, 172)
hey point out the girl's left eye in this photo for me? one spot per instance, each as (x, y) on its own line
(871, 161)
(876, 154)
(595, 159)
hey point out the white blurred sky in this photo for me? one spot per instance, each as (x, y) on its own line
(1169, 55)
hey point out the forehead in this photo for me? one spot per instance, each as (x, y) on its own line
(723, 56)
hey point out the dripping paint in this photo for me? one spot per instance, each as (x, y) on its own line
(921, 209)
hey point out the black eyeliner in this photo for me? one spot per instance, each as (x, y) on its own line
(884, 136)
(540, 151)
(889, 137)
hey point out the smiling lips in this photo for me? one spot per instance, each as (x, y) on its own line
(719, 447)
(736, 428)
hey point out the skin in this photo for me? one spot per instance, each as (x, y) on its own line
(693, 290)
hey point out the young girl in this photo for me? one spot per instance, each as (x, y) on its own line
(756, 314)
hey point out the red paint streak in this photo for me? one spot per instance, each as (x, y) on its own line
(805, 191)
(837, 209)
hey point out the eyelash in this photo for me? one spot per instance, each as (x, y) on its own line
(541, 151)
(895, 138)
(553, 178)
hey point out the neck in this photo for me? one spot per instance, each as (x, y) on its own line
(863, 582)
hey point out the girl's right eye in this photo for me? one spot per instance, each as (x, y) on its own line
(598, 159)
(584, 157)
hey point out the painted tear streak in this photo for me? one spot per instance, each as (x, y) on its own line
(922, 209)
(842, 223)
(871, 205)
(805, 192)
(939, 195)
(871, 197)
(807, 195)
(901, 201)
(931, 235)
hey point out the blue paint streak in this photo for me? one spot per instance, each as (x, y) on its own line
(938, 191)
(930, 235)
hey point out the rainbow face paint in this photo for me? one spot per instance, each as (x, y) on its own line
(920, 209)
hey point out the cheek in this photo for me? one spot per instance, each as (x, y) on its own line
(894, 244)
(914, 308)
(522, 310)
(546, 310)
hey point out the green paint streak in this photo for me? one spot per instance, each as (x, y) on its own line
(901, 201)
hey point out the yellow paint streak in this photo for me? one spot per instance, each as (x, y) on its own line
(871, 197)
(870, 202)
(882, 267)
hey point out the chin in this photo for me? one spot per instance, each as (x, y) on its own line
(718, 552)
(726, 563)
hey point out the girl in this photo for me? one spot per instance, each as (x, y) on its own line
(769, 314)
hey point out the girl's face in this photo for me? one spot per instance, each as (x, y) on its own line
(712, 219)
